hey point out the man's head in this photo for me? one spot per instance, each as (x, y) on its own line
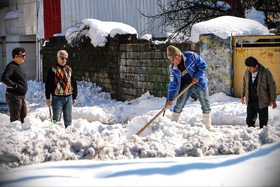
(62, 57)
(252, 64)
(174, 54)
(18, 55)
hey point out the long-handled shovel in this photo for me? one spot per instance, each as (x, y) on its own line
(138, 133)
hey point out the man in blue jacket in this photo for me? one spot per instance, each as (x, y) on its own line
(188, 68)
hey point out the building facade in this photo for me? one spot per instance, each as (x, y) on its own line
(29, 23)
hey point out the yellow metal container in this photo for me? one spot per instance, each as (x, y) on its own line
(266, 50)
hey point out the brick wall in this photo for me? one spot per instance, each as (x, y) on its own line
(126, 67)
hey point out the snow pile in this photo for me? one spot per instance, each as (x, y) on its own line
(99, 31)
(105, 129)
(257, 168)
(226, 26)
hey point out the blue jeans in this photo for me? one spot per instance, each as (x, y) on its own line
(202, 95)
(62, 104)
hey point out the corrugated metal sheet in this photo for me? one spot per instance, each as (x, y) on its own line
(125, 11)
(52, 17)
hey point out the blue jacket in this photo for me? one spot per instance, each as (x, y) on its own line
(195, 66)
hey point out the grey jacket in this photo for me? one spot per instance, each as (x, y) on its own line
(266, 87)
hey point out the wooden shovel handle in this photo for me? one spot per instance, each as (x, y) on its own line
(50, 112)
(138, 133)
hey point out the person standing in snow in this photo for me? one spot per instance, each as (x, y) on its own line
(62, 85)
(258, 92)
(188, 68)
(14, 77)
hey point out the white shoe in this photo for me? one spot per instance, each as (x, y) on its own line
(175, 116)
(207, 121)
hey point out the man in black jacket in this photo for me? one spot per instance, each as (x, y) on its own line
(62, 85)
(14, 77)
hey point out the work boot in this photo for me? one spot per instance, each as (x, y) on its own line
(207, 121)
(175, 116)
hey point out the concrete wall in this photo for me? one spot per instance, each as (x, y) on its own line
(125, 67)
(21, 18)
(18, 29)
(28, 43)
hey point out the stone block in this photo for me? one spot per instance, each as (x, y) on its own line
(140, 47)
(129, 47)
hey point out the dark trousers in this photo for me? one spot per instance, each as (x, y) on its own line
(17, 107)
(252, 110)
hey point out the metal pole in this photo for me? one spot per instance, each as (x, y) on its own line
(37, 44)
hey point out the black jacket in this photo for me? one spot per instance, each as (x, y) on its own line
(15, 77)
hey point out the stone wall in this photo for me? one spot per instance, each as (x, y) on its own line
(126, 67)
(217, 52)
(144, 67)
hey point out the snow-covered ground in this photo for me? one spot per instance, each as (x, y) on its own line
(258, 168)
(100, 148)
(102, 137)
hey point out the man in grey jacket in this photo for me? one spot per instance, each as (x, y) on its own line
(258, 92)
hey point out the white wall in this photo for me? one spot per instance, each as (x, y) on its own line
(125, 11)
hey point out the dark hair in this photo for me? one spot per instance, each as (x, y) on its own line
(17, 50)
(251, 61)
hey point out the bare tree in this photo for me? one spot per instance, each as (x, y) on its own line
(182, 14)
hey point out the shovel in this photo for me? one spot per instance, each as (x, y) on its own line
(50, 110)
(138, 133)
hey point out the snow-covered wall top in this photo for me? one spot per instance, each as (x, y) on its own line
(227, 26)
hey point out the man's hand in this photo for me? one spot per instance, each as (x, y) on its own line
(12, 87)
(74, 101)
(273, 104)
(243, 100)
(169, 103)
(48, 101)
(194, 81)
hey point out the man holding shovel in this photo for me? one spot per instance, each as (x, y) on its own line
(188, 68)
(62, 85)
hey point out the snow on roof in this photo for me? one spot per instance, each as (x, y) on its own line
(226, 26)
(100, 30)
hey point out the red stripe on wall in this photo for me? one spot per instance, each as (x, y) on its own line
(52, 17)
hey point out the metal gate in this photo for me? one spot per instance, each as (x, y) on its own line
(266, 49)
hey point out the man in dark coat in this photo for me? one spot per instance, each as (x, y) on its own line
(258, 92)
(14, 77)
